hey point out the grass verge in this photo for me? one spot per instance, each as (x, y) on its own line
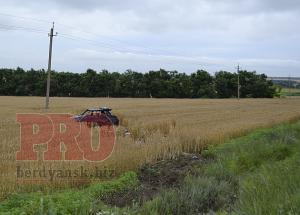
(255, 174)
(67, 202)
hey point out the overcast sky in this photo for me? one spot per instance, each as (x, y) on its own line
(143, 35)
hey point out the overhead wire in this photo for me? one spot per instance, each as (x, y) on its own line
(4, 27)
(96, 43)
(91, 42)
(102, 44)
(24, 18)
(14, 27)
(110, 42)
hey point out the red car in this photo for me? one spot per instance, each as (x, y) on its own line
(97, 117)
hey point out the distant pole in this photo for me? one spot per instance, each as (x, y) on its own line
(289, 83)
(51, 35)
(238, 87)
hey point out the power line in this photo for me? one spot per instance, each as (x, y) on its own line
(95, 43)
(24, 18)
(100, 44)
(128, 47)
(96, 35)
(76, 38)
(59, 23)
(119, 47)
(132, 48)
(5, 27)
(14, 27)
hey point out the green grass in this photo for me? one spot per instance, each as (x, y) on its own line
(67, 202)
(273, 189)
(267, 166)
(197, 195)
(255, 174)
(290, 92)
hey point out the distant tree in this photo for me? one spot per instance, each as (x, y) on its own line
(226, 84)
(256, 86)
(202, 85)
(159, 84)
(180, 85)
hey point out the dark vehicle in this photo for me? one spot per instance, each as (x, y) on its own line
(97, 117)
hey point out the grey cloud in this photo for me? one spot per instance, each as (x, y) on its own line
(199, 30)
(156, 6)
(165, 15)
(280, 5)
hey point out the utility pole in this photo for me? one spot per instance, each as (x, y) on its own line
(289, 84)
(51, 35)
(238, 88)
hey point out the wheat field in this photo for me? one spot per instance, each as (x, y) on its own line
(159, 128)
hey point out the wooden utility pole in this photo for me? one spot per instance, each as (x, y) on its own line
(290, 84)
(238, 88)
(51, 35)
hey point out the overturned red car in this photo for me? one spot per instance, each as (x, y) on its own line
(97, 117)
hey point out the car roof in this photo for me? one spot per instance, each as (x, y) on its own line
(99, 109)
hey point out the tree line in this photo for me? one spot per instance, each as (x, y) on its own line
(156, 84)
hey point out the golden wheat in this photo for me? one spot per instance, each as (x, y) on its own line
(160, 128)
